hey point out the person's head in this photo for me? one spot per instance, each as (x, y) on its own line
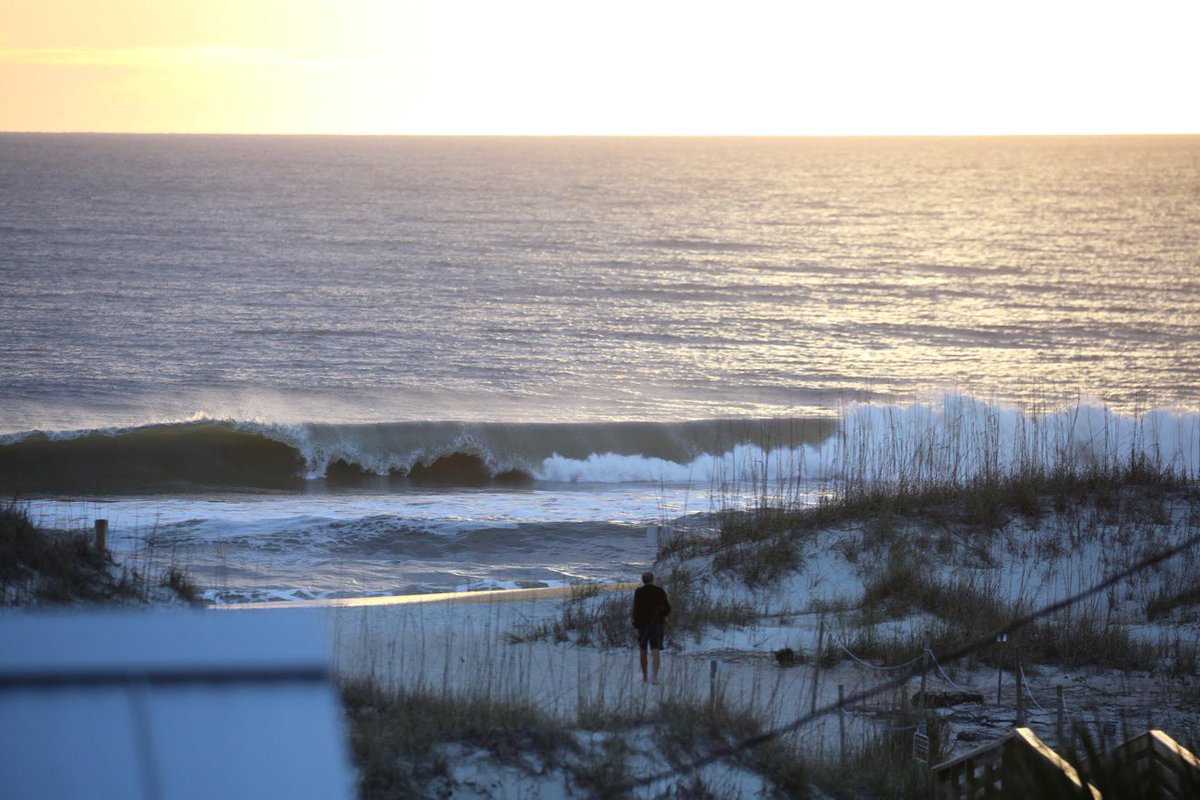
(647, 577)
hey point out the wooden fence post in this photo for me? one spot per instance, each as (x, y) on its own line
(842, 721)
(924, 669)
(102, 536)
(1060, 708)
(817, 663)
(1001, 639)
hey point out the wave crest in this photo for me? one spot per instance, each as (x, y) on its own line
(224, 454)
(952, 439)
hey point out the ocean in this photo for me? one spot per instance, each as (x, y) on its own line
(330, 366)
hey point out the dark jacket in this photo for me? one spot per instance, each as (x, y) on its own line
(649, 605)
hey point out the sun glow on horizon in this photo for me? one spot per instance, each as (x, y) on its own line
(625, 68)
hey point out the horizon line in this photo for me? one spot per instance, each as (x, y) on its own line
(378, 135)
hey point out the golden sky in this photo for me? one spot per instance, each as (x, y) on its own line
(612, 67)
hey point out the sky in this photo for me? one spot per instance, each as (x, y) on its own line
(583, 67)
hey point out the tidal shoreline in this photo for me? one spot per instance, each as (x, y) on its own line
(471, 596)
(475, 693)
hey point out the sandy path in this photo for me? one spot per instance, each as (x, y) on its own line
(462, 647)
(459, 643)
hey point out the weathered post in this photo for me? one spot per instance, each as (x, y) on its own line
(102, 536)
(842, 721)
(817, 663)
(924, 669)
(1060, 709)
(1001, 639)
(923, 720)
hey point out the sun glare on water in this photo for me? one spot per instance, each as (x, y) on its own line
(543, 67)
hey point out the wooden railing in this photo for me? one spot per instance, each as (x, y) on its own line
(1015, 765)
(976, 774)
(1019, 764)
(1157, 759)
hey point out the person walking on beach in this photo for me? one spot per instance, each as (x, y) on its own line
(650, 609)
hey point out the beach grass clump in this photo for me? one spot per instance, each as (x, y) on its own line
(59, 567)
(976, 461)
(960, 608)
(53, 566)
(585, 617)
(684, 545)
(694, 608)
(1169, 600)
(762, 544)
(606, 766)
(992, 500)
(1088, 638)
(591, 616)
(761, 562)
(882, 763)
(604, 621)
(396, 735)
(905, 523)
(907, 583)
(402, 743)
(181, 583)
(681, 730)
(757, 547)
(690, 729)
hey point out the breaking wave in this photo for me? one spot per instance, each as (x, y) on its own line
(225, 454)
(952, 438)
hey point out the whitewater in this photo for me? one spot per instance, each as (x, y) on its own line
(365, 525)
(306, 366)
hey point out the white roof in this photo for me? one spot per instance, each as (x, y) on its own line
(168, 706)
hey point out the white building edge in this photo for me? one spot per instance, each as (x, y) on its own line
(169, 706)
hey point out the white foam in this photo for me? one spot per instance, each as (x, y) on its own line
(953, 438)
(742, 464)
(957, 438)
(266, 542)
(447, 512)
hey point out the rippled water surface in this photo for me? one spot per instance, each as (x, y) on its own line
(381, 279)
(324, 366)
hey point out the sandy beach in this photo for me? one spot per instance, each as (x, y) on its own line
(858, 401)
(514, 647)
(461, 644)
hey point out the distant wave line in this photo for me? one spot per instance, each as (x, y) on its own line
(951, 439)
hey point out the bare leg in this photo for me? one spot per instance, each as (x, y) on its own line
(643, 653)
(657, 662)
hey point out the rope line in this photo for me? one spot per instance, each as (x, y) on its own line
(1025, 683)
(866, 694)
(946, 677)
(865, 663)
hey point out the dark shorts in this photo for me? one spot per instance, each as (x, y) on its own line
(651, 635)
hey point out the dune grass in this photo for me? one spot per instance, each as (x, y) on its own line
(40, 566)
(587, 617)
(396, 736)
(401, 741)
(981, 488)
(54, 567)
